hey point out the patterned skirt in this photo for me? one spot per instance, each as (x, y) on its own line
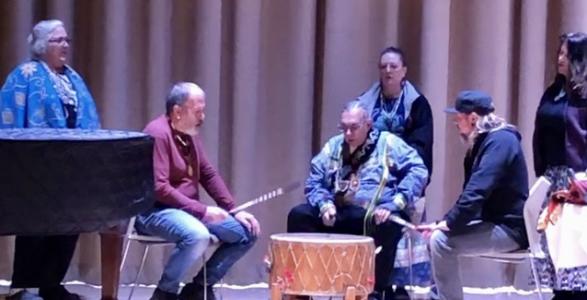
(566, 272)
(419, 265)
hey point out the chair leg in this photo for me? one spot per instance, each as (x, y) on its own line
(410, 258)
(132, 289)
(536, 278)
(205, 276)
(206, 280)
(221, 287)
(124, 254)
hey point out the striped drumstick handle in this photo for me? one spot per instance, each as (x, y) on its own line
(262, 198)
(402, 222)
(399, 221)
(267, 196)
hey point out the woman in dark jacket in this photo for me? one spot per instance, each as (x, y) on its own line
(398, 107)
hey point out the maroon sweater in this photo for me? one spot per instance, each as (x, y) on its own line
(173, 185)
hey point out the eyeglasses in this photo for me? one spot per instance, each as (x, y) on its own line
(60, 40)
(351, 127)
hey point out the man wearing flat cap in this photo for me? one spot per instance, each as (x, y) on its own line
(488, 215)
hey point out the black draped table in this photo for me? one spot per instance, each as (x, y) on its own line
(69, 181)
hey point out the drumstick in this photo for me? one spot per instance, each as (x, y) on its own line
(402, 222)
(399, 221)
(267, 196)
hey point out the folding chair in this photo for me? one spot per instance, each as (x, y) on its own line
(416, 219)
(532, 209)
(148, 241)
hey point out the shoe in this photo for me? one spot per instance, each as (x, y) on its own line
(159, 294)
(433, 294)
(24, 295)
(209, 293)
(58, 293)
(193, 291)
(375, 296)
(188, 292)
(401, 293)
(387, 294)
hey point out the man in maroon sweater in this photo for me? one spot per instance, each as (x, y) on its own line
(180, 166)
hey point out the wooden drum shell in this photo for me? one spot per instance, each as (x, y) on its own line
(318, 264)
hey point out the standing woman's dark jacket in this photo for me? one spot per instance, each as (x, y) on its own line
(409, 117)
(560, 130)
(549, 137)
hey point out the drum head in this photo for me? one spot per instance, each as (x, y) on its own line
(321, 238)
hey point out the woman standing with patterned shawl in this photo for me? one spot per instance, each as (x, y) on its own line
(45, 92)
(560, 150)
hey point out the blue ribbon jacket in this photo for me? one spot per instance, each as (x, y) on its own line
(29, 99)
(392, 177)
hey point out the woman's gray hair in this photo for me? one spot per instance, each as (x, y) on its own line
(39, 37)
(179, 93)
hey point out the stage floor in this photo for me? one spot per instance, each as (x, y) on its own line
(256, 293)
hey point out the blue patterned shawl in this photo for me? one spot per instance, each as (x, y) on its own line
(30, 99)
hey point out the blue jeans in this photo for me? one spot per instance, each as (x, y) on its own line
(446, 247)
(191, 238)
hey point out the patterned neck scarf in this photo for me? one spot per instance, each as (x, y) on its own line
(352, 161)
(66, 92)
(346, 179)
(388, 114)
(63, 86)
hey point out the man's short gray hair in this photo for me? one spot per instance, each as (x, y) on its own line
(362, 106)
(179, 93)
(39, 37)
